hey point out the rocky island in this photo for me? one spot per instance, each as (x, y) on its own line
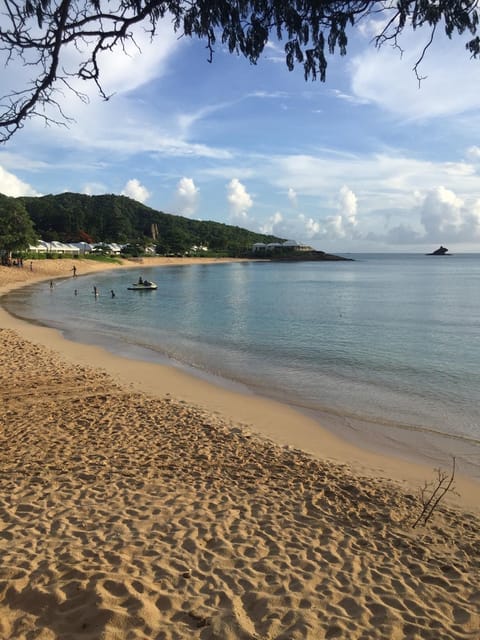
(441, 251)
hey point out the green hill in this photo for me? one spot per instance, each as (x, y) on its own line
(72, 217)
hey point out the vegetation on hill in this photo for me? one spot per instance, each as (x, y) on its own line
(73, 217)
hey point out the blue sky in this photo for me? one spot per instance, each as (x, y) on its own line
(367, 161)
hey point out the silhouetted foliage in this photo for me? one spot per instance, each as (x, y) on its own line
(37, 32)
(16, 227)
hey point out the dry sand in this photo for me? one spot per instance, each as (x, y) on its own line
(175, 511)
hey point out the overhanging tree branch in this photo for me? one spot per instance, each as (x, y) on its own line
(37, 33)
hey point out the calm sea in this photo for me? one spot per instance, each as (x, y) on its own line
(387, 341)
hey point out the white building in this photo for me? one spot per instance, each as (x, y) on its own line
(74, 248)
(55, 247)
(290, 245)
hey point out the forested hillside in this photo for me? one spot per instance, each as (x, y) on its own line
(71, 217)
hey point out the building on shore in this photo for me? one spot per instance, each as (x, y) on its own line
(290, 246)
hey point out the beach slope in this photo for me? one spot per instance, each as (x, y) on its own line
(132, 515)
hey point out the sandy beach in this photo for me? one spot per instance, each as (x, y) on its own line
(137, 502)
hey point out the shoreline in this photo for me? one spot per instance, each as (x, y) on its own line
(267, 417)
(139, 502)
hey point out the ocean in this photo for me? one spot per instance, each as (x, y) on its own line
(382, 344)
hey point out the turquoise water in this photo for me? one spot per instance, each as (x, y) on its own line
(391, 340)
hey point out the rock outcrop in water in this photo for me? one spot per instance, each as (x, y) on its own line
(304, 256)
(441, 251)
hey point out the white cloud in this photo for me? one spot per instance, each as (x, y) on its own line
(271, 225)
(292, 196)
(386, 77)
(125, 68)
(316, 231)
(371, 28)
(12, 186)
(186, 196)
(123, 129)
(459, 169)
(187, 120)
(124, 125)
(348, 205)
(472, 220)
(341, 95)
(274, 52)
(225, 171)
(267, 94)
(341, 225)
(25, 162)
(94, 188)
(239, 199)
(388, 188)
(138, 64)
(333, 227)
(388, 179)
(311, 228)
(442, 213)
(441, 217)
(339, 228)
(133, 189)
(473, 153)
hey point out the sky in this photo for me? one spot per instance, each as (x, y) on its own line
(367, 161)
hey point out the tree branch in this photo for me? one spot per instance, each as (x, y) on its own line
(443, 485)
(36, 33)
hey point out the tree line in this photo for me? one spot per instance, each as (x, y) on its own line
(73, 217)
